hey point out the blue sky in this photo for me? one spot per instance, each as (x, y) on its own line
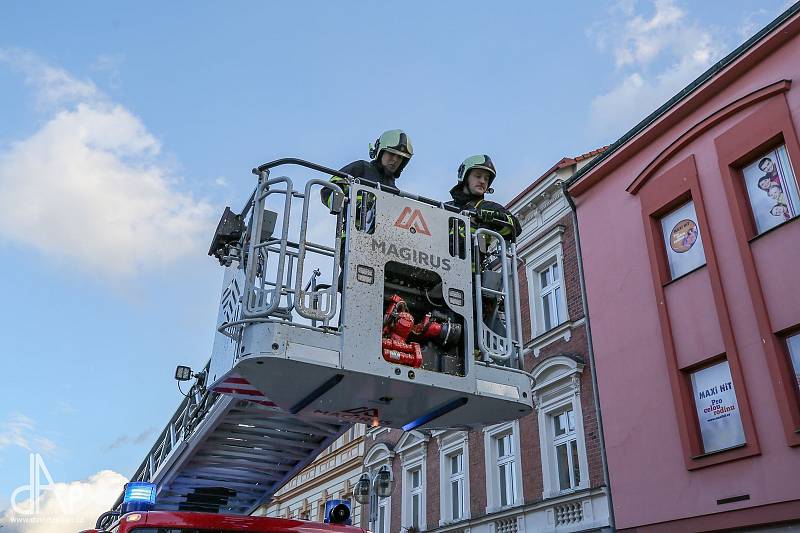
(125, 128)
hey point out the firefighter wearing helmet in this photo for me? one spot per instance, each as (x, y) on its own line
(475, 177)
(389, 155)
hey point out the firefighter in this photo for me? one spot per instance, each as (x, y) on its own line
(475, 177)
(389, 155)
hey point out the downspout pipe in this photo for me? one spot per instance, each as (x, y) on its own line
(587, 323)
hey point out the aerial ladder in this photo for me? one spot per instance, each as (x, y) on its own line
(389, 310)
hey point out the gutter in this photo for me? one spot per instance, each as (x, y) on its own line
(590, 346)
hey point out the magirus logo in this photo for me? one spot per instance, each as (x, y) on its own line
(413, 221)
(401, 253)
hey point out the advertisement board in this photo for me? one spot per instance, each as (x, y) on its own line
(682, 240)
(717, 409)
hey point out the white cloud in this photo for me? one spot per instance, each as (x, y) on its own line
(52, 86)
(656, 56)
(87, 187)
(64, 507)
(20, 431)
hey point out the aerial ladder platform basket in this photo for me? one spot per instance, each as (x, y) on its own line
(406, 350)
(418, 328)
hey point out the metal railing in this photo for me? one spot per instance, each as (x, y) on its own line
(317, 304)
(500, 347)
(275, 266)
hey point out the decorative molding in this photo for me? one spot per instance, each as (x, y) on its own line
(535, 514)
(555, 378)
(563, 331)
(378, 454)
(542, 241)
(704, 125)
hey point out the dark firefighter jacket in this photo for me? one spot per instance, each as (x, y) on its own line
(499, 218)
(369, 170)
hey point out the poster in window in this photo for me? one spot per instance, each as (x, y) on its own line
(717, 409)
(772, 189)
(682, 240)
(794, 353)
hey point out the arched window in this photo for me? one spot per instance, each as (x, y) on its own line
(557, 396)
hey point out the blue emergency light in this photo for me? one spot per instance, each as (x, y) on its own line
(138, 496)
(338, 512)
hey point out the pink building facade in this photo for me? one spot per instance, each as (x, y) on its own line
(690, 241)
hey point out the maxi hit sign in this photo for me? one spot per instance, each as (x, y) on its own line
(717, 409)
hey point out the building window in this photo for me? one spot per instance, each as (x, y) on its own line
(793, 343)
(504, 481)
(566, 450)
(412, 447)
(772, 189)
(505, 469)
(414, 485)
(682, 240)
(382, 521)
(557, 395)
(551, 298)
(456, 485)
(453, 476)
(717, 409)
(544, 272)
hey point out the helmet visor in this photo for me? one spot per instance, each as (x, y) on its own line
(478, 161)
(396, 142)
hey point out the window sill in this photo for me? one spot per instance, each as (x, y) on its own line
(723, 450)
(563, 330)
(773, 228)
(733, 453)
(564, 493)
(684, 275)
(451, 521)
(500, 508)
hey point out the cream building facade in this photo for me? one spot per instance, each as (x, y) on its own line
(332, 475)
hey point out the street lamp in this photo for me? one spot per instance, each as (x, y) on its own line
(369, 489)
(384, 483)
(361, 491)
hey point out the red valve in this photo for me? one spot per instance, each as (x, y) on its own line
(398, 324)
(404, 353)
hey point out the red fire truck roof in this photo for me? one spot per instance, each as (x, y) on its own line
(203, 522)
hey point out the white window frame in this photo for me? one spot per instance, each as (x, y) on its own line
(413, 449)
(557, 390)
(570, 440)
(385, 506)
(450, 444)
(553, 293)
(548, 251)
(491, 435)
(413, 492)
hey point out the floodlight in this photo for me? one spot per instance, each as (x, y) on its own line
(183, 373)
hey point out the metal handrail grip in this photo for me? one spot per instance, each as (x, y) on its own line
(484, 332)
(265, 167)
(300, 302)
(517, 311)
(249, 310)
